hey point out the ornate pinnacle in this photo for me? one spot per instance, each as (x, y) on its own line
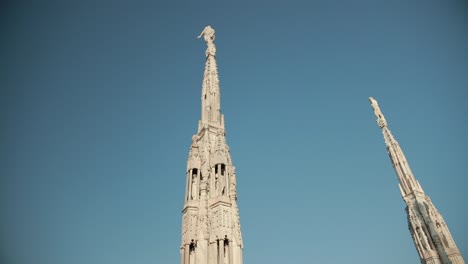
(380, 117)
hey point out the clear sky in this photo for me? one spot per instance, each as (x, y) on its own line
(99, 101)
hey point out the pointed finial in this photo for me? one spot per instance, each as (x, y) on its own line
(380, 117)
(208, 34)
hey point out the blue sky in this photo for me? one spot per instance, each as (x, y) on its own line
(99, 100)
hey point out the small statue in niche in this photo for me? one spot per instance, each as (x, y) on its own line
(216, 182)
(194, 187)
(221, 184)
(192, 246)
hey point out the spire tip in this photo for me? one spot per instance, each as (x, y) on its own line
(380, 117)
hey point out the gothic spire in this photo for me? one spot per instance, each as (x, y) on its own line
(211, 99)
(430, 233)
(211, 231)
(407, 183)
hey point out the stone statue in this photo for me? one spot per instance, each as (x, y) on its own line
(221, 184)
(194, 187)
(375, 107)
(208, 34)
(193, 245)
(216, 183)
(195, 140)
(374, 103)
(380, 117)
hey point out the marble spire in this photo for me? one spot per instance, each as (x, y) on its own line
(427, 227)
(211, 232)
(408, 184)
(211, 97)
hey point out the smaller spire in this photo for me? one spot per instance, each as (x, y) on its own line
(211, 98)
(431, 236)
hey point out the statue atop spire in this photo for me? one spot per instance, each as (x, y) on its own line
(208, 34)
(380, 117)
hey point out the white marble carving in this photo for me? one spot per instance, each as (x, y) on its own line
(208, 34)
